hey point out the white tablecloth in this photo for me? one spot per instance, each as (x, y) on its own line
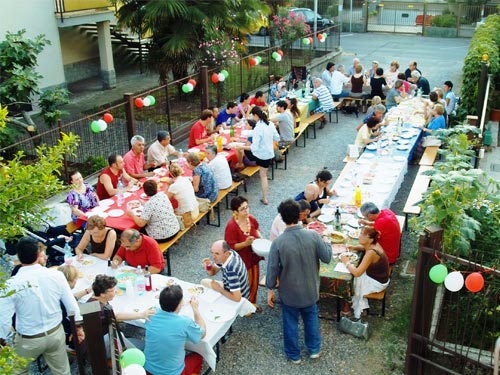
(209, 301)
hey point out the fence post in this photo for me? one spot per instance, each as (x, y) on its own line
(129, 113)
(204, 87)
(366, 16)
(425, 16)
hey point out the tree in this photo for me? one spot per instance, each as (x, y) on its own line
(19, 83)
(178, 26)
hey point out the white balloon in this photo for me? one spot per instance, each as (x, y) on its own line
(454, 281)
(134, 370)
(322, 40)
(278, 58)
(221, 76)
(146, 102)
(190, 86)
(102, 124)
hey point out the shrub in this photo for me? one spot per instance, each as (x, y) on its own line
(446, 20)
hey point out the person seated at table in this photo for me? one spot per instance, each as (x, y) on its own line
(157, 217)
(407, 88)
(244, 107)
(181, 188)
(258, 100)
(339, 83)
(387, 224)
(437, 122)
(241, 230)
(234, 283)
(104, 288)
(310, 194)
(278, 92)
(137, 249)
(211, 128)
(391, 75)
(376, 100)
(323, 180)
(103, 240)
(219, 166)
(285, 122)
(168, 329)
(358, 82)
(107, 183)
(293, 107)
(82, 197)
(370, 73)
(198, 133)
(367, 133)
(324, 100)
(379, 111)
(135, 165)
(393, 95)
(378, 84)
(227, 115)
(204, 183)
(161, 149)
(372, 274)
(421, 82)
(278, 226)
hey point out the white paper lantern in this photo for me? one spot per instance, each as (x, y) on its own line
(102, 124)
(221, 76)
(134, 370)
(454, 281)
(146, 102)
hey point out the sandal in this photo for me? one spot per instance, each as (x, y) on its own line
(264, 202)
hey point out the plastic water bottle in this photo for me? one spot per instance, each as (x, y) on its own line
(419, 92)
(140, 285)
(147, 280)
(119, 195)
(68, 254)
(129, 289)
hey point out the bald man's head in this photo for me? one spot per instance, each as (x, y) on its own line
(311, 192)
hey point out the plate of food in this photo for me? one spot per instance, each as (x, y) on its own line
(352, 256)
(137, 211)
(134, 188)
(219, 313)
(403, 147)
(87, 262)
(316, 226)
(170, 282)
(123, 278)
(102, 214)
(353, 223)
(161, 171)
(261, 247)
(235, 144)
(133, 204)
(407, 135)
(116, 212)
(106, 202)
(196, 290)
(339, 248)
(325, 218)
(349, 209)
(404, 142)
(371, 146)
(337, 237)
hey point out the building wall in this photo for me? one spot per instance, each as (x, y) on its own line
(80, 54)
(37, 17)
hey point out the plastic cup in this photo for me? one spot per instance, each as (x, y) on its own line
(208, 266)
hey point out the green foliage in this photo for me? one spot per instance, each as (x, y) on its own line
(50, 101)
(93, 164)
(446, 20)
(288, 27)
(486, 40)
(24, 188)
(455, 191)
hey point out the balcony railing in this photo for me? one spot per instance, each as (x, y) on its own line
(68, 6)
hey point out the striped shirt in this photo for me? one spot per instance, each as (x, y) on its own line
(234, 275)
(324, 97)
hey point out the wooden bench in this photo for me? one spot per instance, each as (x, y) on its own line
(71, 227)
(420, 185)
(249, 172)
(429, 156)
(304, 125)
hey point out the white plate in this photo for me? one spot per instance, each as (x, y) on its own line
(326, 218)
(354, 257)
(116, 213)
(236, 144)
(218, 313)
(161, 171)
(106, 202)
(194, 149)
(144, 196)
(404, 142)
(223, 153)
(369, 156)
(134, 188)
(102, 214)
(353, 223)
(261, 247)
(407, 135)
(371, 146)
(403, 147)
(127, 194)
(399, 158)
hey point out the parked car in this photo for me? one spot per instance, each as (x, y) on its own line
(308, 14)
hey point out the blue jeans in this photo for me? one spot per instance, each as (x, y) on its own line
(312, 336)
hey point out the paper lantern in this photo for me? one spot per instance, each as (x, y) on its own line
(221, 77)
(190, 86)
(311, 40)
(325, 35)
(474, 282)
(225, 73)
(259, 59)
(152, 100)
(103, 125)
(252, 61)
(454, 281)
(278, 58)
(320, 36)
(146, 102)
(108, 117)
(215, 78)
(95, 127)
(438, 273)
(280, 52)
(138, 103)
(192, 82)
(305, 41)
(134, 370)
(132, 356)
(274, 55)
(185, 88)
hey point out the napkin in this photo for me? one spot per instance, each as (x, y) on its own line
(340, 267)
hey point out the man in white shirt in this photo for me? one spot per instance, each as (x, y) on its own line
(161, 149)
(327, 74)
(278, 226)
(38, 292)
(220, 167)
(339, 80)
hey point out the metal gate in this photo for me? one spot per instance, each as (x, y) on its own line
(395, 17)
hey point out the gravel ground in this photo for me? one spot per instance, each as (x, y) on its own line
(255, 346)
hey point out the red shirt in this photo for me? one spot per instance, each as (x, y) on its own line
(198, 131)
(134, 164)
(234, 235)
(100, 189)
(390, 233)
(254, 101)
(148, 254)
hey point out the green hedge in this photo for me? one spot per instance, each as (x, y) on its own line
(486, 40)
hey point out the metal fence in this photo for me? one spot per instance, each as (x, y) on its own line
(453, 332)
(173, 109)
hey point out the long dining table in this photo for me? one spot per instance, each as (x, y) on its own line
(218, 312)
